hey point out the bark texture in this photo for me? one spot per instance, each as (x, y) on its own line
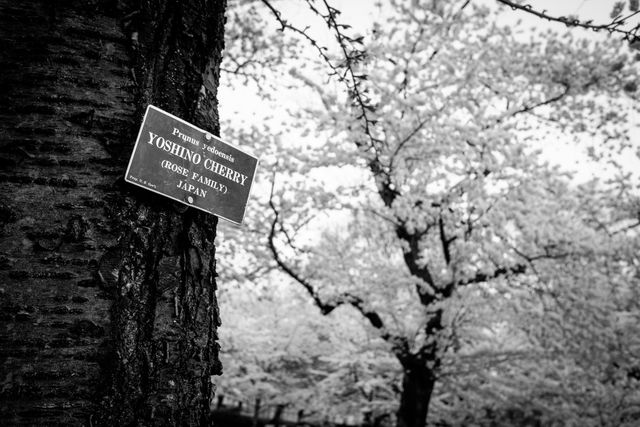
(107, 293)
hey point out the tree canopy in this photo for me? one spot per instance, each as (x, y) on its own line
(413, 184)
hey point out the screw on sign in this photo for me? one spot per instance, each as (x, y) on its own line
(190, 165)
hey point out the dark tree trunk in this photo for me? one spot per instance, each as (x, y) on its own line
(417, 385)
(419, 370)
(107, 293)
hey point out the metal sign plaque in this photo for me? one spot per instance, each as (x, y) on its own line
(190, 165)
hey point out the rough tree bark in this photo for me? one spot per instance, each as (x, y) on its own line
(107, 293)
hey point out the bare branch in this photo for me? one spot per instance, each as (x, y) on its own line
(611, 27)
(302, 32)
(345, 72)
(353, 55)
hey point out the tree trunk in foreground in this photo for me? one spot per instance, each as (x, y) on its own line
(107, 292)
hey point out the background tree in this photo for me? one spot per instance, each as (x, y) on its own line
(557, 347)
(286, 353)
(90, 292)
(444, 116)
(91, 335)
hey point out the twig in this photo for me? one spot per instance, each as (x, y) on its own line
(611, 27)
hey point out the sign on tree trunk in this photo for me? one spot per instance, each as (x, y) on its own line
(185, 163)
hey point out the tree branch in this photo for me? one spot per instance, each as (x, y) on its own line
(411, 257)
(302, 32)
(346, 74)
(445, 242)
(530, 108)
(502, 271)
(343, 71)
(399, 343)
(612, 27)
(484, 277)
(324, 308)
